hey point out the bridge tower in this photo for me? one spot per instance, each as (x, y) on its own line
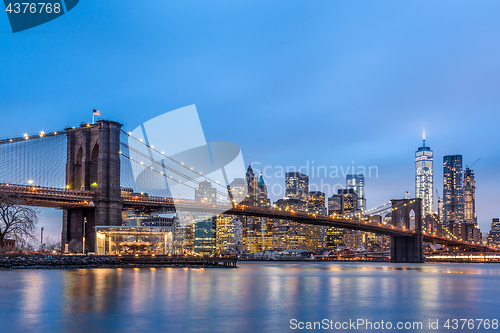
(407, 249)
(93, 164)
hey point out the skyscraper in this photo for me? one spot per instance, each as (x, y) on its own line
(453, 194)
(469, 197)
(257, 231)
(317, 203)
(357, 183)
(252, 185)
(315, 234)
(204, 228)
(424, 178)
(262, 197)
(336, 204)
(494, 236)
(288, 234)
(297, 186)
(350, 200)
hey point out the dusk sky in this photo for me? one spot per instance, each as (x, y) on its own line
(291, 82)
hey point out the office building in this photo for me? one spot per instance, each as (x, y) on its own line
(357, 183)
(494, 236)
(252, 185)
(204, 223)
(316, 235)
(469, 197)
(257, 231)
(424, 178)
(297, 186)
(453, 195)
(336, 205)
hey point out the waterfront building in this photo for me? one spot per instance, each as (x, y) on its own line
(424, 178)
(225, 233)
(453, 196)
(352, 239)
(334, 237)
(469, 197)
(357, 183)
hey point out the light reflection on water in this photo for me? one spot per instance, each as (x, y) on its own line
(255, 297)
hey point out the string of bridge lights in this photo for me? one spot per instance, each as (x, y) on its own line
(169, 158)
(382, 208)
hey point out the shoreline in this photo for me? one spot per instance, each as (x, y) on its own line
(37, 261)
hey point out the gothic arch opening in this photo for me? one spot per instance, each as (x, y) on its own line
(78, 171)
(94, 157)
(412, 219)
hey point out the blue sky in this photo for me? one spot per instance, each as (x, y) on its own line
(289, 81)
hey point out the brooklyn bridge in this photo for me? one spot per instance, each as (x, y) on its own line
(84, 170)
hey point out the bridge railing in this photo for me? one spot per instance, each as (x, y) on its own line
(43, 191)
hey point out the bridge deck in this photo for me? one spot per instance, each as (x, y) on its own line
(64, 198)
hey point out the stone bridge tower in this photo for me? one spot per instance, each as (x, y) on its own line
(93, 164)
(407, 248)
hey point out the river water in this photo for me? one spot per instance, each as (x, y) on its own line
(255, 297)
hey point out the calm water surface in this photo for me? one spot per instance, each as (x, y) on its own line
(256, 297)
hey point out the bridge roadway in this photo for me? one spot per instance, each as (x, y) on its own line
(47, 196)
(67, 198)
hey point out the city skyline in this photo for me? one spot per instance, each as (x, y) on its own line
(321, 78)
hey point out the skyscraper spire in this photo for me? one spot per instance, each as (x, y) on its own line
(424, 139)
(261, 180)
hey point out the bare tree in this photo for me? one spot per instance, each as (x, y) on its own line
(17, 221)
(51, 244)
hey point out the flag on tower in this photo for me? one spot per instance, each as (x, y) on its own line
(96, 113)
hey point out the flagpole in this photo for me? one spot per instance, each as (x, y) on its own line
(92, 117)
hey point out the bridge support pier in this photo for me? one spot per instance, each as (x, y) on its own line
(93, 164)
(406, 249)
(407, 213)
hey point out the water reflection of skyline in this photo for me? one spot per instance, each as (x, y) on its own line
(255, 296)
